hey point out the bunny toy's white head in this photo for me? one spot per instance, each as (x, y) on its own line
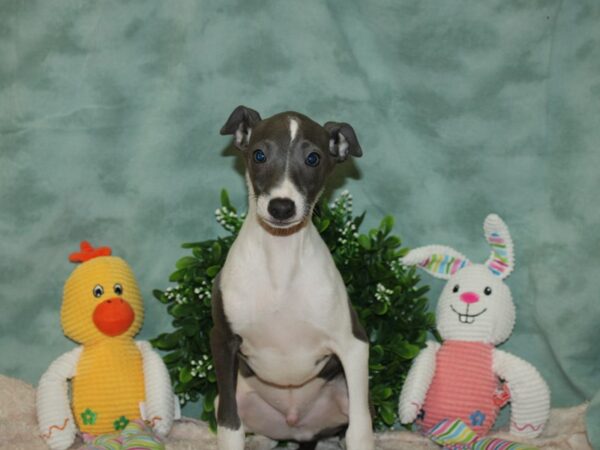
(475, 304)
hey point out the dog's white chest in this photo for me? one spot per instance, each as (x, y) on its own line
(284, 309)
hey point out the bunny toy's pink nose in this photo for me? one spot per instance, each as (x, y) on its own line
(469, 297)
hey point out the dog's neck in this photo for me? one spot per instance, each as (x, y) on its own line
(280, 256)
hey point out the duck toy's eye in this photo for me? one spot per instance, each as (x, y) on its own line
(259, 156)
(455, 288)
(118, 289)
(98, 291)
(313, 159)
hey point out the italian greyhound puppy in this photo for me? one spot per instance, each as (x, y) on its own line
(290, 355)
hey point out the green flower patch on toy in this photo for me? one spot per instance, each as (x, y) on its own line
(89, 417)
(121, 423)
(386, 296)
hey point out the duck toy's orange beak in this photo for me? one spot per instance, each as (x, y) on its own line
(113, 316)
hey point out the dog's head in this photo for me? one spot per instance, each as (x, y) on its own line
(288, 158)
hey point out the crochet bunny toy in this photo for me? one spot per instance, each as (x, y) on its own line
(463, 382)
(116, 382)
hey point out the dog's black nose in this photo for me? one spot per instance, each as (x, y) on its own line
(282, 208)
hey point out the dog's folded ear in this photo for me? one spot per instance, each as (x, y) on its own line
(240, 124)
(342, 140)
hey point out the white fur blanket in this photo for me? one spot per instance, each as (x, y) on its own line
(18, 429)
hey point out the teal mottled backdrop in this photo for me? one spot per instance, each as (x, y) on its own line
(109, 119)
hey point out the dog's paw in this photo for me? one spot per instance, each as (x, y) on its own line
(360, 439)
(228, 439)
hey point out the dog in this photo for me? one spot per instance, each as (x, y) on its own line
(290, 355)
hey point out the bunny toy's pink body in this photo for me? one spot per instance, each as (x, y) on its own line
(464, 386)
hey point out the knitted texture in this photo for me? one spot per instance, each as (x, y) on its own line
(530, 394)
(54, 416)
(113, 377)
(438, 260)
(475, 312)
(110, 381)
(109, 386)
(80, 300)
(491, 319)
(456, 435)
(160, 403)
(463, 386)
(501, 261)
(136, 436)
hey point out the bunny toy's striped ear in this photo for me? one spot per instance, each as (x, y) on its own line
(502, 260)
(439, 260)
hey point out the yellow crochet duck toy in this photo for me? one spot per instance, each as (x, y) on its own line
(114, 379)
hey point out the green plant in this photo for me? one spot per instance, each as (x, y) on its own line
(386, 296)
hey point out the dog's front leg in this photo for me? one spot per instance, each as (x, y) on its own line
(354, 355)
(230, 431)
(224, 346)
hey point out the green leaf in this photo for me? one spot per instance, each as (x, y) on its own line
(212, 271)
(185, 376)
(376, 351)
(408, 351)
(191, 244)
(185, 262)
(177, 276)
(376, 367)
(380, 308)
(382, 392)
(208, 404)
(392, 242)
(212, 423)
(217, 251)
(166, 341)
(189, 326)
(225, 198)
(388, 414)
(324, 225)
(172, 357)
(364, 241)
(181, 310)
(160, 296)
(387, 223)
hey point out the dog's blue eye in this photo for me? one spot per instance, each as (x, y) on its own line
(259, 156)
(313, 159)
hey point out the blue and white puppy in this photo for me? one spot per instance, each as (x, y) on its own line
(290, 355)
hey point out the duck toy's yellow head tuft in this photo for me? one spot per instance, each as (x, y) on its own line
(101, 298)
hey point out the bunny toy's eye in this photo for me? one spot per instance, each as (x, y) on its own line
(487, 291)
(98, 291)
(455, 288)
